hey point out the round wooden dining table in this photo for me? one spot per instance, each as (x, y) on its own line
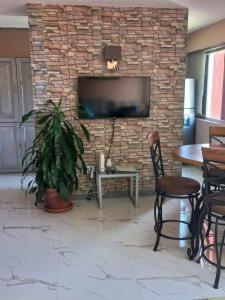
(192, 154)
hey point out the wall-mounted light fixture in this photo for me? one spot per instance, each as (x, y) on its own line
(111, 54)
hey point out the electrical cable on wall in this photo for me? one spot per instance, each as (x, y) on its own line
(112, 137)
(92, 192)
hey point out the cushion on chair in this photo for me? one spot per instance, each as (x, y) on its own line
(220, 197)
(177, 185)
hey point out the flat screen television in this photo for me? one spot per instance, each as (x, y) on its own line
(113, 97)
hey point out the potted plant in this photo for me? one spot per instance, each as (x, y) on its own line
(56, 156)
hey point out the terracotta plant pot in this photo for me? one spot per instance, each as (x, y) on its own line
(55, 204)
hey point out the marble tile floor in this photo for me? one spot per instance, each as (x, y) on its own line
(91, 254)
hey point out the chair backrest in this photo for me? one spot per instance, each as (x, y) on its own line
(156, 154)
(214, 168)
(215, 133)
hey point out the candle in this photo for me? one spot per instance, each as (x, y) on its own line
(102, 162)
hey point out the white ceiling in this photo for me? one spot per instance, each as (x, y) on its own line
(201, 12)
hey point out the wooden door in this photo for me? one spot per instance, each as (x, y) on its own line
(27, 134)
(10, 148)
(24, 82)
(9, 110)
(15, 100)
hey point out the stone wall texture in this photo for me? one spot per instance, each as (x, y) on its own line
(67, 42)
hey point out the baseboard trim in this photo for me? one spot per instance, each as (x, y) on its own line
(118, 194)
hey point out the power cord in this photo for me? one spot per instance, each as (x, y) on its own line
(92, 192)
(112, 137)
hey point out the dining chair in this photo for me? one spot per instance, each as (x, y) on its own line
(213, 207)
(169, 187)
(216, 133)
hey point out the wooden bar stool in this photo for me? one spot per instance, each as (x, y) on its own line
(213, 206)
(169, 187)
(216, 133)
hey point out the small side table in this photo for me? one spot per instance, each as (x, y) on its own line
(134, 184)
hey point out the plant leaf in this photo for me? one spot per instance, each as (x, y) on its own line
(27, 116)
(85, 131)
(43, 119)
(63, 191)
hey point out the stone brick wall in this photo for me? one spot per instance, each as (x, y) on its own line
(67, 41)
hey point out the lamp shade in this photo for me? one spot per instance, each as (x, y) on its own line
(111, 53)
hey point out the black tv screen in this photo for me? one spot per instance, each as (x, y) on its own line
(113, 97)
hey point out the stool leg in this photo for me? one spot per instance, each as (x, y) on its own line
(191, 225)
(209, 225)
(200, 232)
(218, 254)
(158, 218)
(209, 216)
(193, 251)
(156, 211)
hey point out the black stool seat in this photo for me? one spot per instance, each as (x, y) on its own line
(177, 185)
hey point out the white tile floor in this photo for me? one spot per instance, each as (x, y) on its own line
(88, 254)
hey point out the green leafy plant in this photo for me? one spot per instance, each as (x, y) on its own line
(56, 155)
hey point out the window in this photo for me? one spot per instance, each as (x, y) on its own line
(213, 101)
(195, 70)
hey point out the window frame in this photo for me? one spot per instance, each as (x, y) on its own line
(205, 82)
(201, 99)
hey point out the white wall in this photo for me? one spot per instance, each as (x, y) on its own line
(206, 37)
(202, 130)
